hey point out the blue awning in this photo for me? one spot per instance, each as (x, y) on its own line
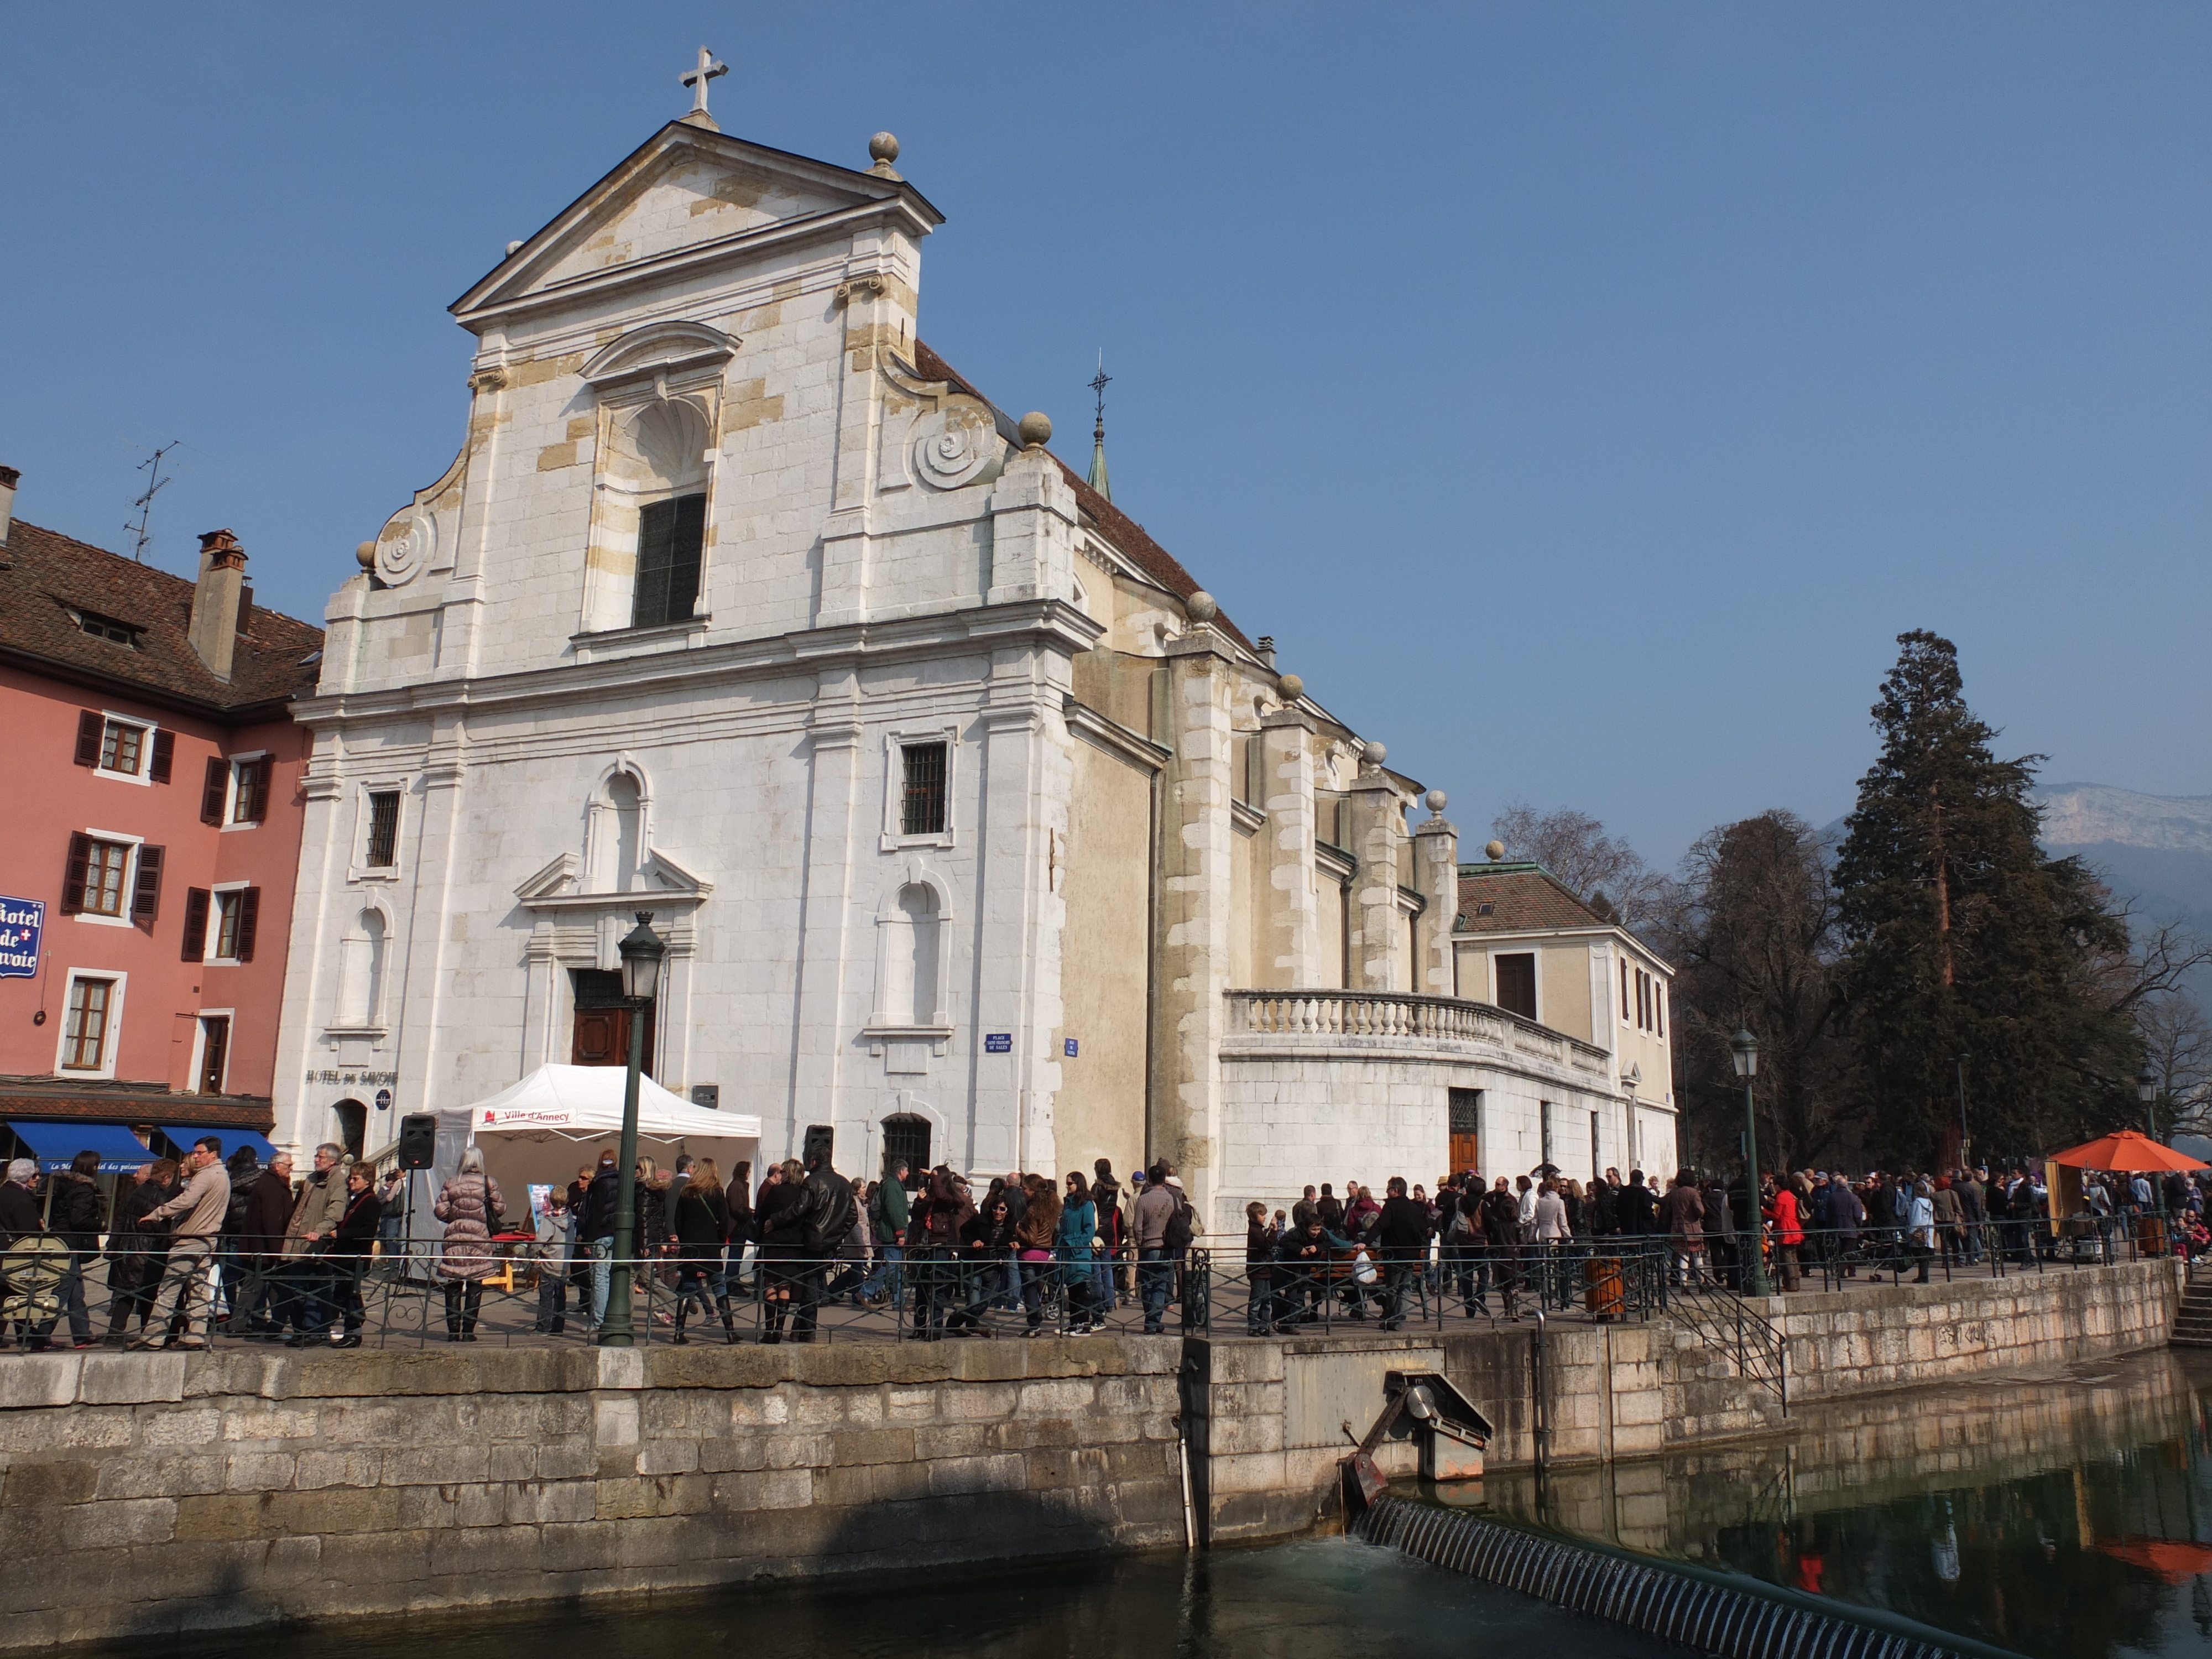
(56, 1144)
(232, 1140)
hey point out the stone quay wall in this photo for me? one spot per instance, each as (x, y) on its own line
(147, 1494)
(144, 1494)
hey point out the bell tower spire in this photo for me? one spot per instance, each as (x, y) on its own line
(1097, 479)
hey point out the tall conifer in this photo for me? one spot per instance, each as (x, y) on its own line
(1963, 938)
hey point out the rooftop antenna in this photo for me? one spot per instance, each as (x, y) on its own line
(145, 502)
(1097, 479)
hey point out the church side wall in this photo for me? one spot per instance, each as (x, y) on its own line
(1105, 971)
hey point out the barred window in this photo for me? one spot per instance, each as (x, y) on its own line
(922, 806)
(383, 828)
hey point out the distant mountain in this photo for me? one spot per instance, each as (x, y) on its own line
(2154, 851)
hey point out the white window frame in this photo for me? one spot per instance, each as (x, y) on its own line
(207, 959)
(145, 748)
(200, 1048)
(111, 1039)
(894, 787)
(130, 880)
(230, 819)
(358, 867)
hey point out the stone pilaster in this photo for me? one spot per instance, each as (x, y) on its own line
(1378, 826)
(422, 962)
(1032, 528)
(1435, 870)
(1293, 935)
(834, 733)
(1196, 902)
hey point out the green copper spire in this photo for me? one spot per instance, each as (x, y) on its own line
(1097, 480)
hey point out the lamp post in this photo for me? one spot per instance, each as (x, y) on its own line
(1963, 1157)
(1745, 1047)
(642, 951)
(2147, 1092)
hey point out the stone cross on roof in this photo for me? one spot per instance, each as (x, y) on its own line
(696, 79)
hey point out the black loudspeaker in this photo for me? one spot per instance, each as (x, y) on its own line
(418, 1140)
(818, 1139)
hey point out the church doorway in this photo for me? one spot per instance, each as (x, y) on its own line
(601, 1033)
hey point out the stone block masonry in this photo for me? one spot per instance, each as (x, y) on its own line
(144, 1495)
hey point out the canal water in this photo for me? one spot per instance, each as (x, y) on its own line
(2065, 1518)
(2062, 1519)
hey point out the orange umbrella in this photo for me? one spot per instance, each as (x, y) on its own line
(2130, 1149)
(2174, 1560)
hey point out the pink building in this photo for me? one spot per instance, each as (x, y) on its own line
(151, 840)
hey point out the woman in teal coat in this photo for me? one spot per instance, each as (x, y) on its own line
(1072, 1243)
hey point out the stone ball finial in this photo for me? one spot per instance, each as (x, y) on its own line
(883, 148)
(1035, 431)
(1494, 851)
(513, 248)
(366, 553)
(1436, 800)
(1200, 607)
(1291, 688)
(1374, 754)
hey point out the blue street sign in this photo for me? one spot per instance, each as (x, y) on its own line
(384, 1100)
(1071, 1048)
(22, 924)
(998, 1042)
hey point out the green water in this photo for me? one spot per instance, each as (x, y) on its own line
(2067, 1519)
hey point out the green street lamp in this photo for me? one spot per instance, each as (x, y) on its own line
(642, 951)
(1745, 1053)
(2147, 1092)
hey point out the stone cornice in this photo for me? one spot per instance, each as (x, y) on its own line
(1049, 622)
(1111, 734)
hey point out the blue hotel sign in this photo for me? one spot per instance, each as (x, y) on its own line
(22, 922)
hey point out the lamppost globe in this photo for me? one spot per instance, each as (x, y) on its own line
(1744, 1050)
(642, 950)
(2146, 1084)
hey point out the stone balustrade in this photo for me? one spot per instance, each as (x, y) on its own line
(1442, 1021)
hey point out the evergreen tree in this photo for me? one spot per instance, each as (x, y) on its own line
(1962, 939)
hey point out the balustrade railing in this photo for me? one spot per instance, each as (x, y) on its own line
(1403, 1015)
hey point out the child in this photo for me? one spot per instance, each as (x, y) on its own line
(551, 1252)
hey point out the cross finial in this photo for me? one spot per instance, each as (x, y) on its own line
(696, 79)
(1099, 384)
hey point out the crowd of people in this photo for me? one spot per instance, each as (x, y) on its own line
(278, 1255)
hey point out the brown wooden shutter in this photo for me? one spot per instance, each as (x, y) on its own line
(196, 915)
(146, 891)
(89, 728)
(258, 805)
(73, 875)
(249, 915)
(165, 754)
(213, 791)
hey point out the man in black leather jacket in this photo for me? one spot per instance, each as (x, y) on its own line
(826, 1214)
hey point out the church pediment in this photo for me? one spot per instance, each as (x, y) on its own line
(687, 190)
(561, 886)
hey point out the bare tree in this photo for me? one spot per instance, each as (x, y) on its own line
(2177, 1044)
(1752, 933)
(1600, 870)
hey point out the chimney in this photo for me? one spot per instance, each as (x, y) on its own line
(9, 479)
(215, 599)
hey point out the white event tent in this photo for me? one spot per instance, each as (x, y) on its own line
(543, 1128)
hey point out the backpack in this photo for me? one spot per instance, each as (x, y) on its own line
(1177, 1235)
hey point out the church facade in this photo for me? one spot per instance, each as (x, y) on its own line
(976, 830)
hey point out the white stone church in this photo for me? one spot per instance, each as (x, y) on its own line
(976, 830)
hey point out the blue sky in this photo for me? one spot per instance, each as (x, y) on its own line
(1583, 396)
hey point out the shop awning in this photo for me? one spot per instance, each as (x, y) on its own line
(56, 1144)
(231, 1139)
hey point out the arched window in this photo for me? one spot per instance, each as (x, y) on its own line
(361, 971)
(614, 849)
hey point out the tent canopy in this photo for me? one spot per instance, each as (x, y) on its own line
(542, 1128)
(2130, 1150)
